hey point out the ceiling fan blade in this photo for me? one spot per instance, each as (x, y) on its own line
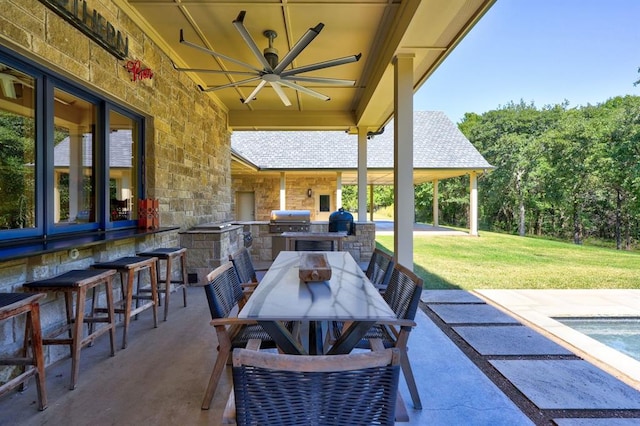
(212, 71)
(238, 23)
(321, 80)
(283, 96)
(255, 92)
(299, 47)
(219, 55)
(304, 90)
(322, 65)
(224, 86)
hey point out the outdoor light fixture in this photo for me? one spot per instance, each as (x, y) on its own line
(309, 192)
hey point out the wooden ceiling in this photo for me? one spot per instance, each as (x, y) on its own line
(377, 29)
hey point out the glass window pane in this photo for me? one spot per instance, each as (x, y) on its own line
(74, 163)
(123, 173)
(17, 150)
(325, 203)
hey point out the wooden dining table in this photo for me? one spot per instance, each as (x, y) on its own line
(348, 296)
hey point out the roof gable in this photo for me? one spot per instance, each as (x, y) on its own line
(438, 143)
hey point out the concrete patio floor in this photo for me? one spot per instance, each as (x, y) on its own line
(161, 376)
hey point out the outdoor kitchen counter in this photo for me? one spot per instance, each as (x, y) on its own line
(336, 238)
(262, 249)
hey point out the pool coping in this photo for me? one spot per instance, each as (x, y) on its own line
(538, 308)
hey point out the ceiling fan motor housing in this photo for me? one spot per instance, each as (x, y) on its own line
(271, 53)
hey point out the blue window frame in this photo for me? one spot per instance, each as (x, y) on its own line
(70, 160)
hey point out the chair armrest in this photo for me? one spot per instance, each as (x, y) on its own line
(399, 322)
(248, 286)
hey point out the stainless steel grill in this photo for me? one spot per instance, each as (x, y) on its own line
(289, 221)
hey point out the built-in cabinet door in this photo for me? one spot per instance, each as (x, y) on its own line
(245, 206)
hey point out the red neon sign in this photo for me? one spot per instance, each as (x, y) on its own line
(136, 71)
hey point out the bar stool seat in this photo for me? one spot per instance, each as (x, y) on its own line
(170, 255)
(79, 282)
(130, 268)
(12, 305)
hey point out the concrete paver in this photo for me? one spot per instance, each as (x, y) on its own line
(472, 314)
(568, 385)
(509, 340)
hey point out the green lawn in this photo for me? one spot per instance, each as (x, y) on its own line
(501, 261)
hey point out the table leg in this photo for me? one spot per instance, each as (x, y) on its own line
(350, 338)
(283, 338)
(315, 338)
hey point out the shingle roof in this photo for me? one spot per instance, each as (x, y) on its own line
(438, 144)
(119, 150)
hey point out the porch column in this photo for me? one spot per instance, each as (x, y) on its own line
(283, 192)
(473, 204)
(404, 202)
(338, 190)
(373, 206)
(362, 174)
(436, 207)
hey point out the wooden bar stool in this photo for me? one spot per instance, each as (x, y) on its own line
(170, 255)
(129, 269)
(79, 282)
(12, 305)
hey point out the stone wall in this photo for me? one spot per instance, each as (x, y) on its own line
(266, 187)
(187, 145)
(210, 248)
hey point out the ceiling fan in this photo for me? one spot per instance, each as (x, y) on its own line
(274, 72)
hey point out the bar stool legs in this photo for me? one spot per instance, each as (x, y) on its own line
(129, 269)
(171, 255)
(78, 282)
(12, 305)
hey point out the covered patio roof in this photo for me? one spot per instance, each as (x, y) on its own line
(398, 44)
(380, 30)
(441, 151)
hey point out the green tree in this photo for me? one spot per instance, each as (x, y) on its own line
(16, 171)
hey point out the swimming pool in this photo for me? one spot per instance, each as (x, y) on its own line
(621, 334)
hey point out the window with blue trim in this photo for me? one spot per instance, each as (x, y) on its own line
(70, 160)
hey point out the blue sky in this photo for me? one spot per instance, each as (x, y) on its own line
(540, 51)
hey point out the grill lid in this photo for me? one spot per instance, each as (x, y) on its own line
(290, 216)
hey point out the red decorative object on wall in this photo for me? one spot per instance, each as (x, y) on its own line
(148, 214)
(137, 72)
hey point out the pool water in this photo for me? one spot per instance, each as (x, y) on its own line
(621, 334)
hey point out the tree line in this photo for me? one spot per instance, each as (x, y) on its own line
(560, 172)
(566, 173)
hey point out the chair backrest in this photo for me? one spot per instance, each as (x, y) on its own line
(244, 266)
(223, 290)
(272, 388)
(380, 268)
(403, 292)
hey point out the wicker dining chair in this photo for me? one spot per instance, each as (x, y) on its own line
(224, 293)
(247, 273)
(403, 296)
(352, 389)
(379, 269)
